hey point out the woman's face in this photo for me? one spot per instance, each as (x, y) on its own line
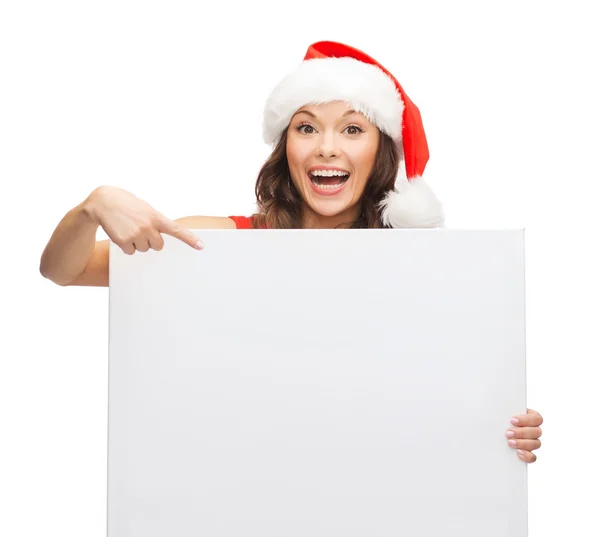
(330, 151)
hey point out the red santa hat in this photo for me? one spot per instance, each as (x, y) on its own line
(337, 72)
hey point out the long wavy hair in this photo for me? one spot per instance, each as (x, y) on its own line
(279, 202)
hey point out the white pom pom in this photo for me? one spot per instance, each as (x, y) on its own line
(412, 205)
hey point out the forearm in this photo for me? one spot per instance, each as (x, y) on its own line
(71, 246)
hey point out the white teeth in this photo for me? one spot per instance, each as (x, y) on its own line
(328, 173)
(327, 187)
(316, 174)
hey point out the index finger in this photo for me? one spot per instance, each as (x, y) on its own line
(531, 419)
(180, 232)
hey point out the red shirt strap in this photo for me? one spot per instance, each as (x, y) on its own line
(242, 222)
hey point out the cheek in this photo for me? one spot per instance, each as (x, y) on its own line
(365, 163)
(297, 156)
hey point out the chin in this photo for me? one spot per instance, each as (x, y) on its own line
(330, 207)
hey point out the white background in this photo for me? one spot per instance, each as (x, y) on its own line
(165, 99)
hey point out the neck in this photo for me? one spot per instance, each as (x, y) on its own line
(313, 220)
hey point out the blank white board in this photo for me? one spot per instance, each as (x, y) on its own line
(296, 383)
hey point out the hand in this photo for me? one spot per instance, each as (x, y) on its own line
(131, 223)
(525, 435)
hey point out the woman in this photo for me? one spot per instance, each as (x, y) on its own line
(341, 125)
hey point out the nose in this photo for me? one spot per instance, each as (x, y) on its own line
(328, 144)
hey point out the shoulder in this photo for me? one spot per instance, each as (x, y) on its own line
(207, 222)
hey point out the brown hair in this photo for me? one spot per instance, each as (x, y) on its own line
(279, 202)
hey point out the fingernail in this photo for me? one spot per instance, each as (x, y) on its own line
(199, 245)
(514, 421)
(510, 434)
(512, 443)
(521, 452)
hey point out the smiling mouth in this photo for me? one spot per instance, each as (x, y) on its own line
(328, 180)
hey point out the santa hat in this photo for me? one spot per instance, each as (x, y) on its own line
(337, 72)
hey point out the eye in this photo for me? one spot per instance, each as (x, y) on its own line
(355, 128)
(300, 128)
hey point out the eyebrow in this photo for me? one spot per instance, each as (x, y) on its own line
(349, 112)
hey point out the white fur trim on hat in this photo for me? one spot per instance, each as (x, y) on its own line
(365, 87)
(411, 205)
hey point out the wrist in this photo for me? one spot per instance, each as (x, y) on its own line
(88, 208)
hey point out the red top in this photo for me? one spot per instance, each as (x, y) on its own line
(242, 222)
